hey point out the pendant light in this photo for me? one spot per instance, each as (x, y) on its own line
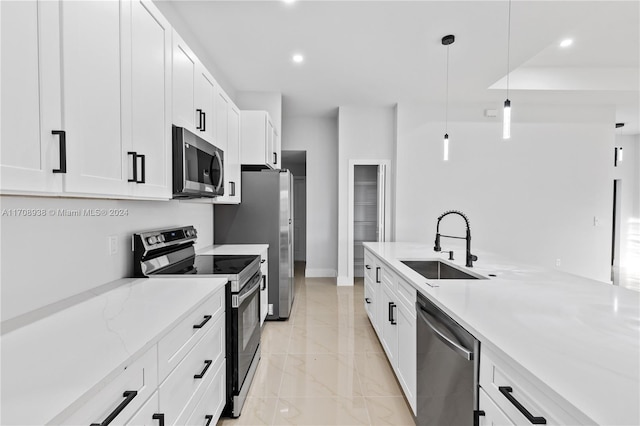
(506, 116)
(447, 41)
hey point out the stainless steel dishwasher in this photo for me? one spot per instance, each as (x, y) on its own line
(447, 369)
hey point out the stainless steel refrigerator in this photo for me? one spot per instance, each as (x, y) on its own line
(265, 216)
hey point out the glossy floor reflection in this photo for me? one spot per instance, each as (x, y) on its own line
(324, 366)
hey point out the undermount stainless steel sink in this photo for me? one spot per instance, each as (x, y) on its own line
(437, 270)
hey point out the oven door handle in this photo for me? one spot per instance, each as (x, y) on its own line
(249, 293)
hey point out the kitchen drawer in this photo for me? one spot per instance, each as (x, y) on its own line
(210, 403)
(493, 415)
(532, 395)
(148, 415)
(181, 386)
(175, 345)
(388, 278)
(369, 273)
(369, 301)
(140, 376)
(406, 294)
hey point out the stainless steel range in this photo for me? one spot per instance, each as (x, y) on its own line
(170, 252)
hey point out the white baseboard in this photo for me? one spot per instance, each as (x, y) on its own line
(320, 273)
(345, 281)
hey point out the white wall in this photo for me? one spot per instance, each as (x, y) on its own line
(263, 101)
(319, 138)
(48, 259)
(364, 133)
(628, 171)
(532, 198)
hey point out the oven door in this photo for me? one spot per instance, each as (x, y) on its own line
(245, 328)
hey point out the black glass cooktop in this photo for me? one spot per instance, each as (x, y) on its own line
(221, 264)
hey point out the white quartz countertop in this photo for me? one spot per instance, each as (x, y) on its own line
(248, 249)
(49, 364)
(579, 337)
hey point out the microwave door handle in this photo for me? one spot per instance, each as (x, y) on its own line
(221, 178)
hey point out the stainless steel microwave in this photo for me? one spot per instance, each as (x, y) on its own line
(198, 166)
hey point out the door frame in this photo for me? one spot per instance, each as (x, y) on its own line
(387, 209)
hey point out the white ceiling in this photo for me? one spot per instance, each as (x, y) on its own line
(382, 52)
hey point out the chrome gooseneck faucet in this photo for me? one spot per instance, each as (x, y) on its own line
(470, 257)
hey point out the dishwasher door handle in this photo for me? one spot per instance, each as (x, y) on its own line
(464, 352)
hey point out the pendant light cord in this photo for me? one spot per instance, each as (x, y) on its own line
(508, 48)
(446, 109)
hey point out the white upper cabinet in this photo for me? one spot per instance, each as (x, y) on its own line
(228, 136)
(260, 140)
(29, 151)
(92, 98)
(149, 121)
(184, 72)
(91, 109)
(205, 96)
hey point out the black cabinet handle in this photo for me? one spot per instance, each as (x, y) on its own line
(206, 320)
(263, 260)
(63, 151)
(128, 397)
(143, 168)
(204, 121)
(209, 419)
(506, 391)
(207, 364)
(378, 274)
(476, 417)
(367, 266)
(275, 158)
(135, 166)
(366, 299)
(159, 417)
(233, 188)
(391, 319)
(199, 126)
(264, 282)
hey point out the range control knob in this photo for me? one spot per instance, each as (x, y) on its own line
(161, 238)
(152, 240)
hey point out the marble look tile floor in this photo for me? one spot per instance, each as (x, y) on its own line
(324, 366)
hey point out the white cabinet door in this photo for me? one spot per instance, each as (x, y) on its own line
(91, 34)
(277, 160)
(30, 97)
(149, 121)
(205, 98)
(222, 121)
(406, 353)
(389, 324)
(257, 136)
(264, 290)
(232, 168)
(183, 78)
(148, 415)
(493, 415)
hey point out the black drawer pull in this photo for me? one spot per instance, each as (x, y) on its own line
(128, 397)
(143, 168)
(264, 282)
(378, 274)
(199, 126)
(206, 319)
(207, 364)
(506, 391)
(63, 151)
(209, 419)
(204, 121)
(367, 266)
(135, 166)
(275, 158)
(366, 299)
(159, 417)
(391, 318)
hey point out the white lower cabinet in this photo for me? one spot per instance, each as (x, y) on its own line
(209, 407)
(390, 304)
(123, 396)
(264, 290)
(148, 415)
(493, 415)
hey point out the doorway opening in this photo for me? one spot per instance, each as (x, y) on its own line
(369, 209)
(615, 233)
(296, 163)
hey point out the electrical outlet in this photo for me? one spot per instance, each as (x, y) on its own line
(596, 221)
(558, 262)
(270, 311)
(113, 244)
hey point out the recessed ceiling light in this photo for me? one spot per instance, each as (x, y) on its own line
(297, 58)
(566, 42)
(289, 1)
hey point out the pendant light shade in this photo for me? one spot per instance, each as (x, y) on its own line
(506, 116)
(506, 124)
(447, 41)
